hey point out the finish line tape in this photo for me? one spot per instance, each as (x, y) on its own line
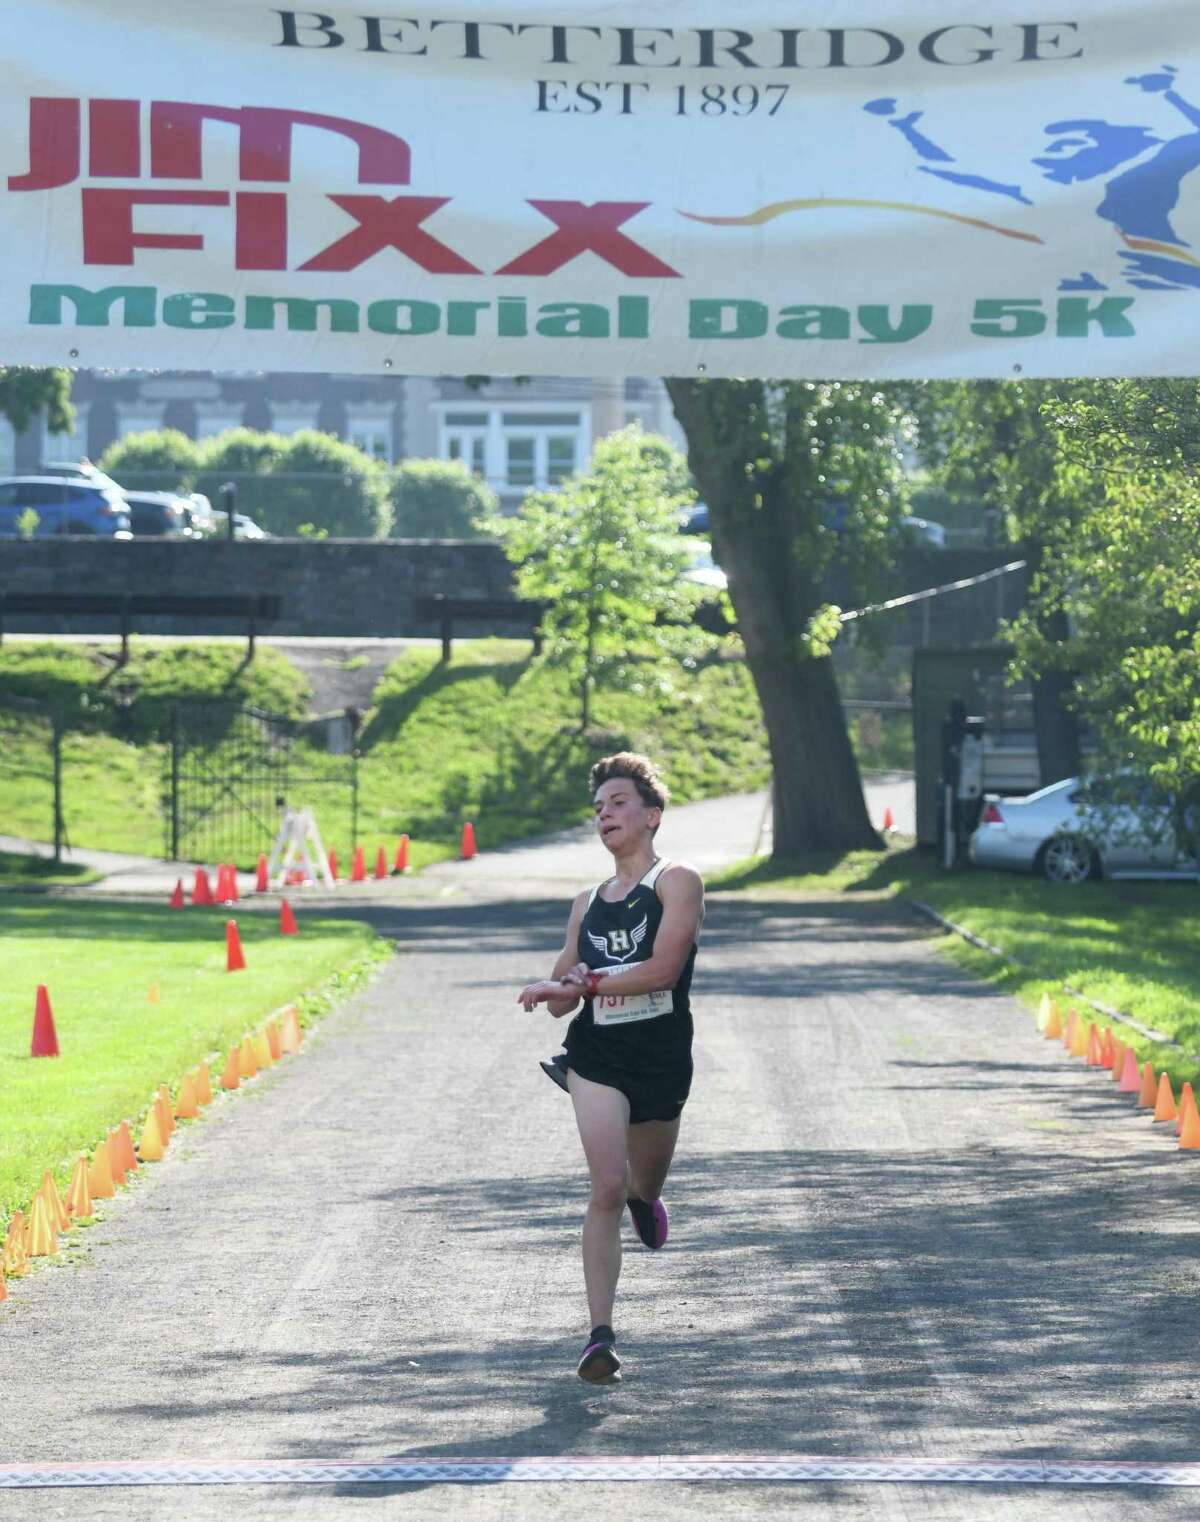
(647, 1470)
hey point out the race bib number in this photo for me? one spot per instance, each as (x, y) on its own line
(624, 1009)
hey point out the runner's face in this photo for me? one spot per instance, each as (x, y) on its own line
(622, 819)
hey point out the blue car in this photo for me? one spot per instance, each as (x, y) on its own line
(63, 506)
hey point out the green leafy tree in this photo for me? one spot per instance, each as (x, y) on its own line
(794, 475)
(605, 552)
(165, 460)
(439, 499)
(24, 393)
(307, 478)
(1122, 574)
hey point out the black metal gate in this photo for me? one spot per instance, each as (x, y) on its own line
(232, 771)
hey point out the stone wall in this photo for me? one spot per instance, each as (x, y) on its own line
(331, 587)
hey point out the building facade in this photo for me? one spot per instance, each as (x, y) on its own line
(517, 435)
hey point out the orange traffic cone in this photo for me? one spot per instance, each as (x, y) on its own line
(1189, 1132)
(153, 1144)
(203, 1085)
(290, 1036)
(1079, 1042)
(43, 1239)
(231, 1073)
(333, 868)
(260, 881)
(1095, 1051)
(234, 960)
(287, 920)
(889, 822)
(232, 886)
(125, 1142)
(58, 1211)
(1187, 1101)
(247, 1062)
(116, 1157)
(1106, 1049)
(14, 1261)
(1054, 1030)
(262, 1051)
(1164, 1105)
(45, 1037)
(79, 1198)
(271, 1032)
(201, 890)
(1068, 1037)
(100, 1179)
(358, 869)
(187, 1106)
(1117, 1065)
(1130, 1081)
(1148, 1091)
(402, 855)
(468, 841)
(166, 1111)
(176, 899)
(381, 867)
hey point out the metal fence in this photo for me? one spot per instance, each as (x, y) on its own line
(31, 767)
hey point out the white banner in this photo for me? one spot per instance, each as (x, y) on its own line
(888, 189)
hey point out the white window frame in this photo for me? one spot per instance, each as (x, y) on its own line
(496, 433)
(139, 417)
(213, 418)
(293, 417)
(375, 422)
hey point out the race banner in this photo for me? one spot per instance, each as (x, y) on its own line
(886, 188)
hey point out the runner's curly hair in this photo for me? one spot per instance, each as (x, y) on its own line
(639, 770)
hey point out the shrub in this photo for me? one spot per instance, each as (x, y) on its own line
(166, 460)
(439, 499)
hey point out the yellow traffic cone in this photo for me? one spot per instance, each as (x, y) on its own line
(79, 1199)
(262, 1050)
(100, 1179)
(1054, 1029)
(203, 1085)
(290, 1037)
(166, 1115)
(43, 1240)
(58, 1211)
(152, 1147)
(1043, 1013)
(186, 1105)
(14, 1260)
(247, 1061)
(1079, 1039)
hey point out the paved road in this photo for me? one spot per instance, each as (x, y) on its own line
(902, 1226)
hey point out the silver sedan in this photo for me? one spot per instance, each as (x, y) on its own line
(1076, 829)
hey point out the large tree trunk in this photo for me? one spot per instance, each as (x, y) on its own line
(1055, 724)
(755, 517)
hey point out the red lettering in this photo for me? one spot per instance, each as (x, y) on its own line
(53, 145)
(390, 224)
(584, 229)
(114, 139)
(261, 237)
(108, 232)
(265, 142)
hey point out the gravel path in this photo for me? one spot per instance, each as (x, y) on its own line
(902, 1226)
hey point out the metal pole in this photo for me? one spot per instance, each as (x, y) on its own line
(174, 784)
(354, 797)
(228, 499)
(56, 748)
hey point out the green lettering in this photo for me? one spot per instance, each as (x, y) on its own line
(301, 315)
(423, 317)
(813, 322)
(572, 319)
(914, 320)
(510, 317)
(633, 317)
(138, 305)
(707, 319)
(198, 309)
(1076, 315)
(1020, 318)
(461, 317)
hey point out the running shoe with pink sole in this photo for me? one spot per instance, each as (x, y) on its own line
(650, 1221)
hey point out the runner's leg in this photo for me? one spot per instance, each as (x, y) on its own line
(651, 1147)
(602, 1115)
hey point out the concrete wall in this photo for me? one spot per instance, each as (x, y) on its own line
(328, 587)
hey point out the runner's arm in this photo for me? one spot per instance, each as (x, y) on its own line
(681, 889)
(568, 957)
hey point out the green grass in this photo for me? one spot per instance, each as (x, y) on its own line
(492, 737)
(18, 871)
(99, 961)
(1132, 945)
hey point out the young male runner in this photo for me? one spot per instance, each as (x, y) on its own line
(629, 952)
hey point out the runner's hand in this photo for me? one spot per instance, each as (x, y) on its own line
(578, 975)
(538, 993)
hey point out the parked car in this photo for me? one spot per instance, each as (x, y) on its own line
(924, 531)
(702, 569)
(63, 506)
(159, 514)
(77, 470)
(246, 528)
(1090, 827)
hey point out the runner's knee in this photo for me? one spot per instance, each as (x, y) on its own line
(609, 1190)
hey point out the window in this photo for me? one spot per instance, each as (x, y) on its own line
(369, 428)
(468, 446)
(516, 449)
(560, 457)
(210, 421)
(293, 417)
(522, 461)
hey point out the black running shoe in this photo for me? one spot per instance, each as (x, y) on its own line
(650, 1221)
(600, 1364)
(556, 1070)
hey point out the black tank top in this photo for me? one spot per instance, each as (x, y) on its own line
(629, 1032)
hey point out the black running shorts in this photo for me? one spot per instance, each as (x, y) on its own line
(651, 1096)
